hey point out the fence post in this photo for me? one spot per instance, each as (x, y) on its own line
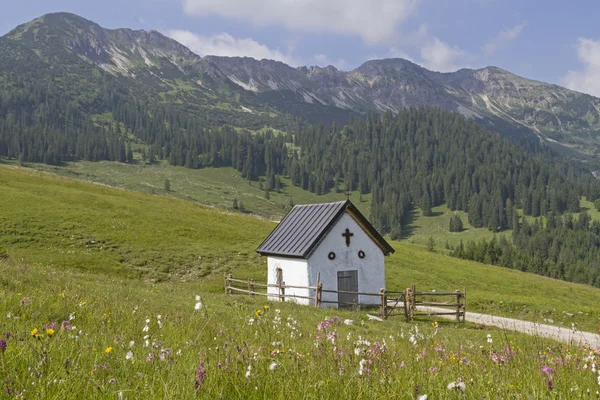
(413, 300)
(251, 287)
(458, 306)
(226, 284)
(383, 302)
(319, 294)
(282, 288)
(465, 304)
(229, 278)
(407, 304)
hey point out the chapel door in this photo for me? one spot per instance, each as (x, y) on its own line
(347, 282)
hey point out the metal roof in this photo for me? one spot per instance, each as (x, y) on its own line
(302, 229)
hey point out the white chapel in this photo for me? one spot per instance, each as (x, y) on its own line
(332, 242)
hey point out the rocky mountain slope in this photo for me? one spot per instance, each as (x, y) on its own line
(80, 56)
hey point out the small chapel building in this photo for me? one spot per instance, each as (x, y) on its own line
(332, 242)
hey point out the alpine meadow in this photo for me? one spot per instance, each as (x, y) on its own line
(179, 219)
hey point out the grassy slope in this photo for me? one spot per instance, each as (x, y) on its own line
(217, 187)
(64, 223)
(110, 314)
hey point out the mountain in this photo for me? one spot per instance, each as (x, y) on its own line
(86, 63)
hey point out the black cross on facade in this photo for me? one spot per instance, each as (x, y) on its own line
(347, 235)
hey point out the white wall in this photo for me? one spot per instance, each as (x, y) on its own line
(295, 272)
(371, 269)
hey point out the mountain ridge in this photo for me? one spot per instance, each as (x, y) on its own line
(153, 66)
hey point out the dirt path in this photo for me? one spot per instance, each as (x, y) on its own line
(532, 328)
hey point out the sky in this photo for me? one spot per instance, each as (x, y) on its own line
(548, 40)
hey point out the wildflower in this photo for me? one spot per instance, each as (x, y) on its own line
(258, 313)
(273, 366)
(159, 321)
(131, 343)
(550, 385)
(361, 367)
(108, 350)
(34, 332)
(458, 385)
(49, 331)
(198, 305)
(83, 303)
(348, 322)
(547, 370)
(434, 324)
(7, 335)
(200, 375)
(266, 308)
(2, 345)
(489, 338)
(146, 327)
(413, 339)
(422, 397)
(129, 355)
(248, 371)
(24, 302)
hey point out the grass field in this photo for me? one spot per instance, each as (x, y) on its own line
(215, 187)
(98, 301)
(64, 224)
(72, 334)
(218, 187)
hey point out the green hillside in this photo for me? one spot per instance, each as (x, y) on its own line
(64, 224)
(85, 313)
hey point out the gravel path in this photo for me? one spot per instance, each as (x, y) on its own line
(531, 328)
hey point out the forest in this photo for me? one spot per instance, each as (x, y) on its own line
(422, 157)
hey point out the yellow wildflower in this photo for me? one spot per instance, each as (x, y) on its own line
(49, 331)
(266, 307)
(108, 350)
(34, 331)
(258, 312)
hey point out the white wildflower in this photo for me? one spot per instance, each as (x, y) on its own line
(132, 343)
(273, 366)
(71, 316)
(413, 340)
(422, 397)
(458, 385)
(198, 305)
(129, 355)
(159, 321)
(348, 322)
(489, 338)
(361, 366)
(248, 371)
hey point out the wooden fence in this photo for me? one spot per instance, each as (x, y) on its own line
(391, 303)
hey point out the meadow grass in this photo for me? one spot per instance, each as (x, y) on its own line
(75, 334)
(67, 224)
(218, 187)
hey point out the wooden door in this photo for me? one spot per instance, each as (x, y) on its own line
(347, 282)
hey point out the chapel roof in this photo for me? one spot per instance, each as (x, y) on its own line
(302, 229)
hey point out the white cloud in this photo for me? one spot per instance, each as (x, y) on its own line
(223, 44)
(588, 79)
(323, 60)
(502, 39)
(439, 56)
(374, 21)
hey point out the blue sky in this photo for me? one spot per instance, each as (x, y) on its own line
(551, 41)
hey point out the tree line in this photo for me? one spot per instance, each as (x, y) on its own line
(563, 247)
